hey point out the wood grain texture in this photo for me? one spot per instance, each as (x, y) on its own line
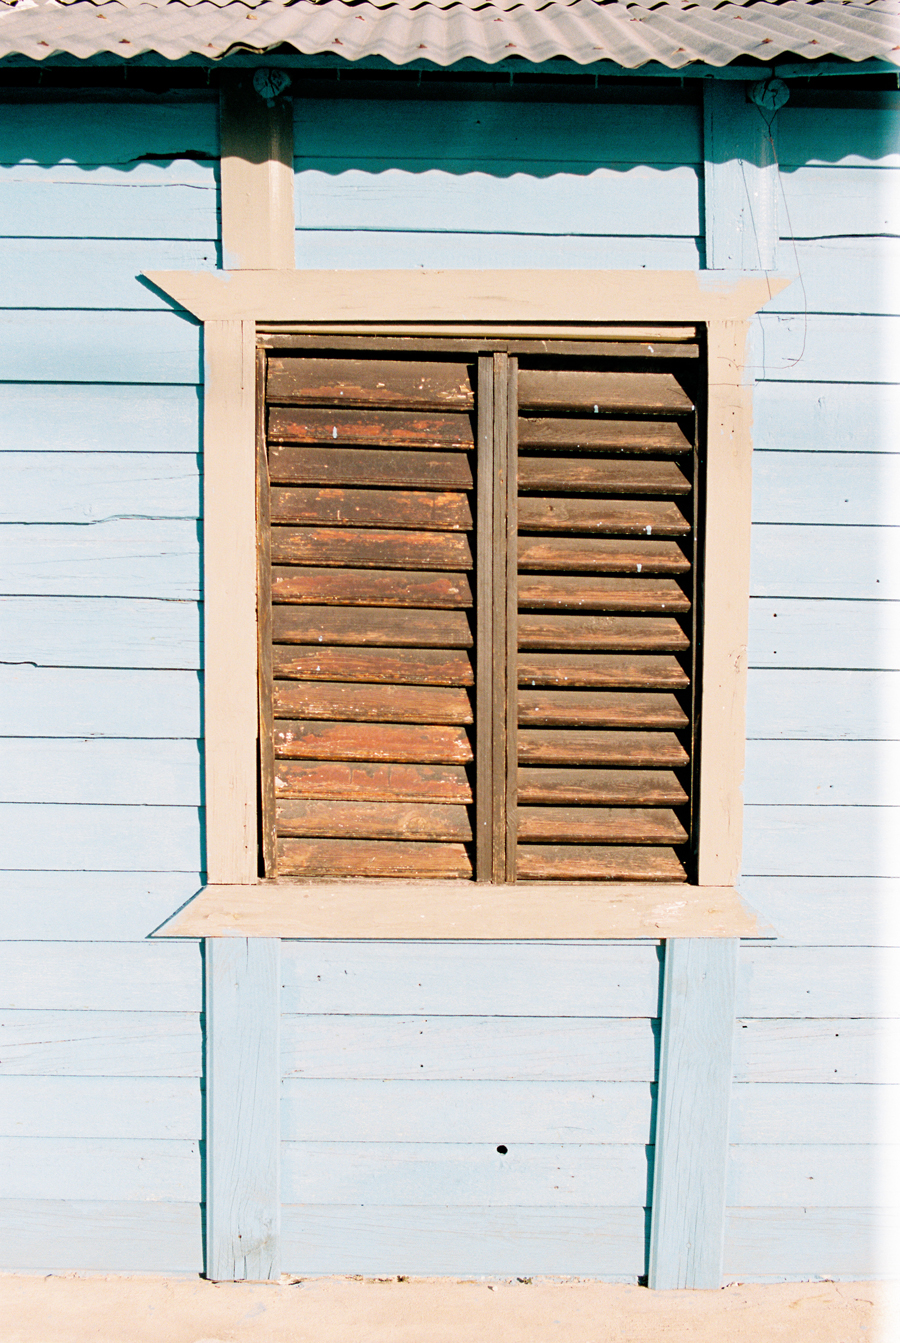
(774, 1244)
(255, 169)
(587, 593)
(587, 474)
(822, 348)
(632, 671)
(601, 556)
(821, 202)
(826, 773)
(474, 1047)
(648, 436)
(101, 1044)
(89, 906)
(614, 787)
(98, 702)
(406, 384)
(854, 982)
(376, 428)
(598, 825)
(372, 508)
(391, 743)
(611, 391)
(597, 862)
(844, 489)
(110, 1169)
(393, 666)
(352, 781)
(142, 347)
(378, 549)
(841, 416)
(852, 274)
(823, 705)
(435, 1174)
(607, 1242)
(373, 820)
(89, 837)
(86, 418)
(90, 487)
(101, 976)
(741, 181)
(388, 627)
(369, 466)
(689, 1183)
(131, 1108)
(573, 747)
(627, 518)
(41, 272)
(158, 559)
(639, 633)
(372, 703)
(467, 1112)
(145, 773)
(598, 708)
(805, 841)
(372, 858)
(828, 911)
(498, 980)
(809, 1175)
(823, 1050)
(46, 1235)
(370, 587)
(810, 1112)
(243, 1135)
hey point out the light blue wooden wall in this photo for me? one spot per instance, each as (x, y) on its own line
(406, 1067)
(101, 795)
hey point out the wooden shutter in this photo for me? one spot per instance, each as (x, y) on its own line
(606, 538)
(366, 514)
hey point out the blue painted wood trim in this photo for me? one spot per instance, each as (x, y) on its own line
(688, 1220)
(243, 1202)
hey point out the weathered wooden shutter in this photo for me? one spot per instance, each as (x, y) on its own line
(366, 511)
(606, 535)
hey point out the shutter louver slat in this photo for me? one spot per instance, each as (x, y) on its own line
(371, 519)
(595, 802)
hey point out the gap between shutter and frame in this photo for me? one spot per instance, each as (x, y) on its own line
(333, 824)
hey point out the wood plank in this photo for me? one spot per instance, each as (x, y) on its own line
(825, 773)
(101, 1044)
(843, 563)
(828, 911)
(599, 825)
(622, 787)
(775, 1244)
(371, 858)
(433, 1174)
(792, 705)
(243, 1075)
(843, 416)
(809, 1175)
(488, 529)
(602, 669)
(377, 428)
(372, 508)
(833, 489)
(140, 558)
(800, 632)
(819, 982)
(83, 134)
(137, 773)
(129, 347)
(600, 475)
(372, 820)
(91, 906)
(569, 431)
(823, 347)
(371, 549)
(46, 272)
(123, 1108)
(370, 587)
(601, 594)
(80, 487)
(369, 979)
(695, 1069)
(101, 976)
(473, 1047)
(370, 625)
(824, 1050)
(92, 1236)
(811, 1112)
(149, 418)
(372, 703)
(390, 742)
(120, 1169)
(396, 666)
(608, 391)
(573, 708)
(805, 841)
(631, 749)
(465, 1242)
(407, 384)
(626, 517)
(342, 781)
(582, 862)
(601, 555)
(588, 632)
(92, 837)
(368, 466)
(393, 1111)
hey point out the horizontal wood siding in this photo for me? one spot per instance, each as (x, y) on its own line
(102, 814)
(816, 1038)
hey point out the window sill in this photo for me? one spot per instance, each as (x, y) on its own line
(462, 910)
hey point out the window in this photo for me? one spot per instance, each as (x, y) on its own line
(478, 597)
(554, 851)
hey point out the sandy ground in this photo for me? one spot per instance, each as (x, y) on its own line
(73, 1309)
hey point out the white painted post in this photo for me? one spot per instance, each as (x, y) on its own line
(243, 1081)
(687, 1226)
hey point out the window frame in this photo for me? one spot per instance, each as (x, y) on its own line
(554, 304)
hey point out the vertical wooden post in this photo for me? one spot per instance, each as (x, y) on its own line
(688, 1218)
(740, 180)
(243, 1078)
(257, 178)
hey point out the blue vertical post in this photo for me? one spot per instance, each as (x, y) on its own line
(687, 1227)
(243, 1080)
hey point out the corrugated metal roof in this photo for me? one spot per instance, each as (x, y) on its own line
(674, 33)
